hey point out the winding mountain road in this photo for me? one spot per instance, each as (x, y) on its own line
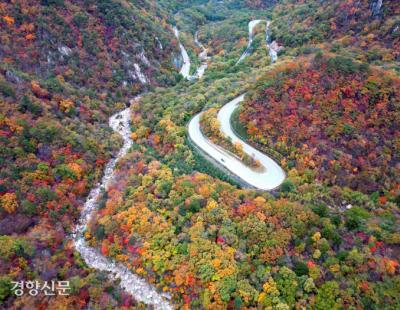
(252, 25)
(272, 46)
(138, 287)
(203, 57)
(185, 69)
(265, 179)
(269, 178)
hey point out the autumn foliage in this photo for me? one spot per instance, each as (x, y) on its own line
(64, 68)
(327, 239)
(332, 116)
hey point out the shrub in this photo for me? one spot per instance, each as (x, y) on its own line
(300, 269)
(26, 105)
(321, 210)
(6, 89)
(344, 65)
(288, 186)
(355, 217)
(5, 288)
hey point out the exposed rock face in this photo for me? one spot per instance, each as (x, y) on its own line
(91, 46)
(144, 58)
(12, 77)
(139, 74)
(376, 7)
(64, 50)
(134, 70)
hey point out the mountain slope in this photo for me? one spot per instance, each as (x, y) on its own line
(65, 66)
(327, 239)
(92, 43)
(333, 116)
(369, 30)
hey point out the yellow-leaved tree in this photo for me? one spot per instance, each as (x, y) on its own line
(9, 202)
